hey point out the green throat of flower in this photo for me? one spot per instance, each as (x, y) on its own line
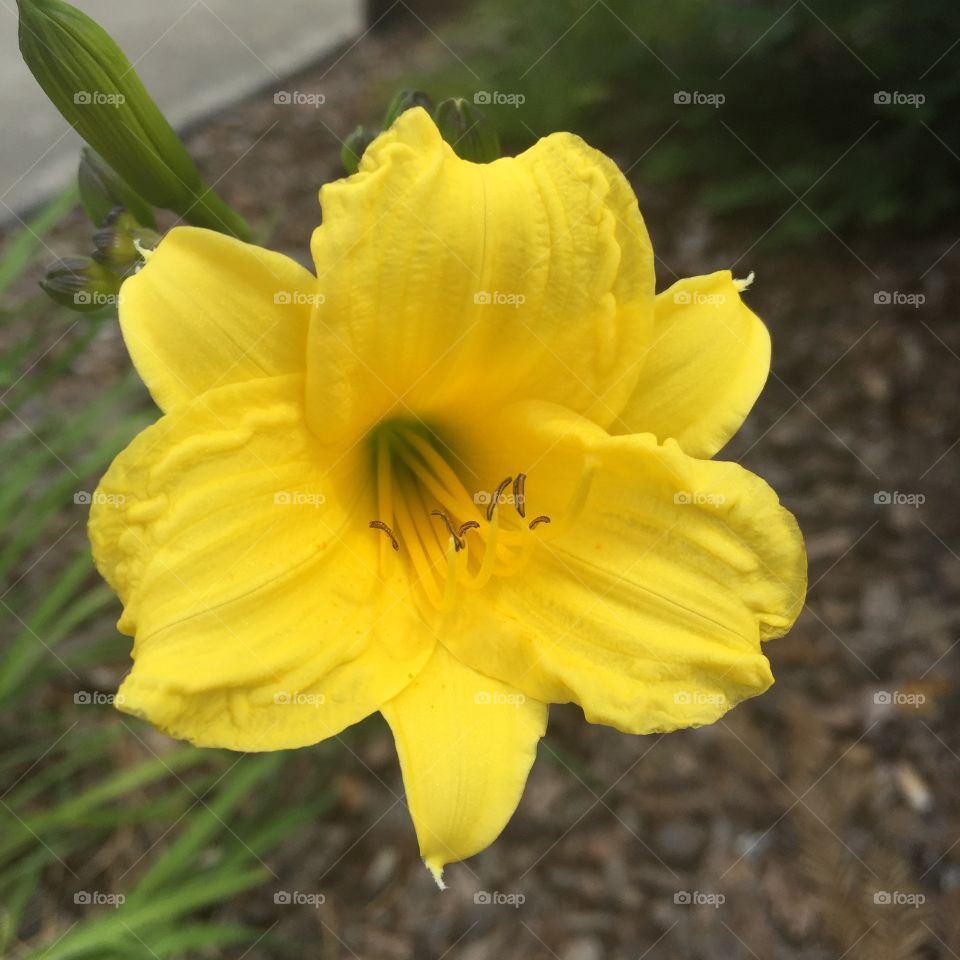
(446, 536)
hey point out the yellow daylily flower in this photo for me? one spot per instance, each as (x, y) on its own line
(460, 474)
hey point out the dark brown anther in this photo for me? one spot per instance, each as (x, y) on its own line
(495, 499)
(469, 525)
(519, 499)
(457, 542)
(536, 521)
(380, 525)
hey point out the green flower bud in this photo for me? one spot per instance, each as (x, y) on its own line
(116, 241)
(81, 284)
(102, 189)
(353, 147)
(406, 100)
(90, 81)
(467, 130)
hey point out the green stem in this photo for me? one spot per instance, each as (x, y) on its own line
(211, 211)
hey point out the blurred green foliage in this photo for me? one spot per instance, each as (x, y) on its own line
(115, 843)
(799, 82)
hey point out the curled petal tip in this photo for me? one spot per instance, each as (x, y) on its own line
(742, 285)
(435, 866)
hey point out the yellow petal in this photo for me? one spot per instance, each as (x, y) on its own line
(249, 577)
(451, 285)
(650, 608)
(208, 310)
(466, 744)
(705, 367)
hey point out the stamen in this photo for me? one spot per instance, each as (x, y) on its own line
(380, 525)
(438, 476)
(519, 500)
(495, 499)
(536, 521)
(453, 575)
(489, 555)
(457, 542)
(418, 550)
(469, 525)
(385, 502)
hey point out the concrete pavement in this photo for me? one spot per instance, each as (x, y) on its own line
(192, 55)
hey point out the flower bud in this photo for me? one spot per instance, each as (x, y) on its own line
(467, 130)
(90, 81)
(102, 189)
(406, 100)
(116, 241)
(82, 284)
(353, 147)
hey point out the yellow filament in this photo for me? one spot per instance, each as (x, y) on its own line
(453, 571)
(385, 503)
(418, 551)
(441, 477)
(489, 555)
